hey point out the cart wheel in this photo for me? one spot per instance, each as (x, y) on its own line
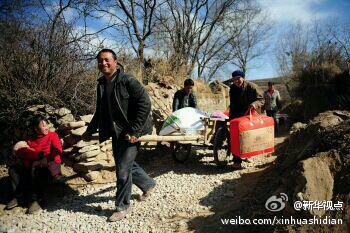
(221, 147)
(181, 152)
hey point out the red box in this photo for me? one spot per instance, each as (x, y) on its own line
(252, 135)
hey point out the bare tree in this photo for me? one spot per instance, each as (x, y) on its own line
(206, 35)
(187, 25)
(317, 67)
(233, 40)
(292, 50)
(216, 52)
(252, 41)
(212, 57)
(135, 21)
(339, 34)
(44, 59)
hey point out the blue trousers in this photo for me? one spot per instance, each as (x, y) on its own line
(273, 113)
(128, 172)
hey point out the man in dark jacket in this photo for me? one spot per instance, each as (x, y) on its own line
(185, 97)
(123, 113)
(244, 96)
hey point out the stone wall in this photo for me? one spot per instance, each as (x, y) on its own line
(214, 98)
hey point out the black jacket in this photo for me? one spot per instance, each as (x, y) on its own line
(178, 100)
(131, 99)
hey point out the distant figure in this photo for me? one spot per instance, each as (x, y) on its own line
(272, 102)
(185, 97)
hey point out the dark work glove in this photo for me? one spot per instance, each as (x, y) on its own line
(41, 155)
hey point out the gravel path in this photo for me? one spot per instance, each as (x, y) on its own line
(183, 192)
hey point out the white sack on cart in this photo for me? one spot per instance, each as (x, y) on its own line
(183, 121)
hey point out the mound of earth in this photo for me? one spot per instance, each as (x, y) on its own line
(313, 164)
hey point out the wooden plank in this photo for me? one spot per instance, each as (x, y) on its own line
(171, 138)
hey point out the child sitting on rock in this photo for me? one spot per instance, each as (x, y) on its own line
(24, 151)
(37, 154)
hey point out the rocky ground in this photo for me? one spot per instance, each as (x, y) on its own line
(185, 194)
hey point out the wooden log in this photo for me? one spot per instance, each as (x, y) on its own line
(170, 138)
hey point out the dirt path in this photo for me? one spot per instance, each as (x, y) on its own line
(189, 197)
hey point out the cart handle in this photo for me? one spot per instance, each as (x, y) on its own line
(169, 138)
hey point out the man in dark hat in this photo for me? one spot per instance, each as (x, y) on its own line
(244, 96)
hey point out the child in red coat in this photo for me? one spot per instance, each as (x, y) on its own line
(42, 150)
(39, 152)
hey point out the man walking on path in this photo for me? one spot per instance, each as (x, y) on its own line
(123, 113)
(272, 102)
(244, 96)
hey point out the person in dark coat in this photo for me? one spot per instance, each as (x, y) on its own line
(244, 96)
(123, 112)
(185, 97)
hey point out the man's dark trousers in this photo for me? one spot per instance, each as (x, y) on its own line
(273, 113)
(128, 172)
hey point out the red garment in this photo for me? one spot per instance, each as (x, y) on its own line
(50, 144)
(227, 112)
(271, 92)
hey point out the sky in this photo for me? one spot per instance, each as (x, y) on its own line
(287, 12)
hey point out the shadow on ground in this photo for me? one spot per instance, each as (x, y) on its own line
(243, 198)
(155, 164)
(159, 161)
(55, 196)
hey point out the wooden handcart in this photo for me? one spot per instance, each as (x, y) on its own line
(209, 137)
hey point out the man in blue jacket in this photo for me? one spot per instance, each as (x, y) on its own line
(185, 97)
(123, 113)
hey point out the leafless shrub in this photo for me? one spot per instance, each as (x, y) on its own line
(44, 60)
(317, 64)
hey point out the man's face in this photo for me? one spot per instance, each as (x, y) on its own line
(188, 89)
(271, 87)
(106, 63)
(42, 128)
(238, 81)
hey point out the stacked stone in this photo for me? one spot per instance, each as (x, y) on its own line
(23, 129)
(162, 101)
(87, 158)
(64, 116)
